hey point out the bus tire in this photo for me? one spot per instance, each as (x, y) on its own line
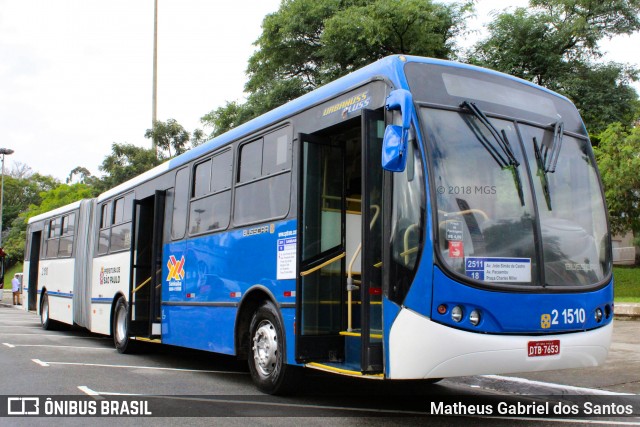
(123, 343)
(267, 359)
(45, 318)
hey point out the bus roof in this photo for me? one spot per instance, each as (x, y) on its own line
(390, 68)
(57, 211)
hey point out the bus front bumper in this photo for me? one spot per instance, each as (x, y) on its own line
(421, 348)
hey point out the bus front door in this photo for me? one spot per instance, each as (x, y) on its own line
(146, 266)
(321, 250)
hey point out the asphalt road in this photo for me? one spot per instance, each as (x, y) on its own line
(204, 388)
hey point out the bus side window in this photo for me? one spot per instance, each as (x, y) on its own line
(105, 228)
(407, 223)
(54, 240)
(211, 204)
(264, 178)
(180, 204)
(66, 240)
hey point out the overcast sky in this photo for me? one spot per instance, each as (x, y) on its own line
(76, 75)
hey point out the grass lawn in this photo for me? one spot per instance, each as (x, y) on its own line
(626, 284)
(9, 274)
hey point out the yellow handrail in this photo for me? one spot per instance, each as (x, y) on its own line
(324, 264)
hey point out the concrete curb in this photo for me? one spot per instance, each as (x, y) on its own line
(627, 310)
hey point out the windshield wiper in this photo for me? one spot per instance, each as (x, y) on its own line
(550, 157)
(542, 172)
(501, 152)
(547, 159)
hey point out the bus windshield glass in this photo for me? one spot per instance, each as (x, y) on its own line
(509, 196)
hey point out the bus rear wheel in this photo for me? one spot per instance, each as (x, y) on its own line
(267, 360)
(123, 343)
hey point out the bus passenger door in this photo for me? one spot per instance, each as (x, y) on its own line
(146, 266)
(321, 250)
(34, 271)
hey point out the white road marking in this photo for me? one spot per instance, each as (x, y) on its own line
(57, 346)
(8, 345)
(87, 390)
(568, 388)
(100, 365)
(55, 336)
(40, 362)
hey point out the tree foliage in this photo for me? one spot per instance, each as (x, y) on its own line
(618, 157)
(554, 43)
(308, 43)
(171, 139)
(126, 161)
(61, 195)
(20, 193)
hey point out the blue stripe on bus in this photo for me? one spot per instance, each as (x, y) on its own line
(60, 294)
(101, 300)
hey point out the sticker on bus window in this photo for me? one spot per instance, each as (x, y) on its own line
(456, 250)
(515, 270)
(454, 230)
(287, 258)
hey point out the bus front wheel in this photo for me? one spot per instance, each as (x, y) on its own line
(124, 344)
(267, 359)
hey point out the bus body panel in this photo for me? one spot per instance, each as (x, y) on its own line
(110, 277)
(524, 313)
(421, 348)
(205, 279)
(56, 276)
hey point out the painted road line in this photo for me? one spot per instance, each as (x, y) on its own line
(53, 336)
(100, 365)
(57, 346)
(564, 388)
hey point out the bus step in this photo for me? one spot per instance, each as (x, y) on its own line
(349, 369)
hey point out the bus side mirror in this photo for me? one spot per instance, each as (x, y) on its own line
(396, 138)
(394, 147)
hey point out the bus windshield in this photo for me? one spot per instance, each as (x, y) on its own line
(499, 221)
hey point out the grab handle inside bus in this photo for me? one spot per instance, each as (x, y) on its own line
(394, 145)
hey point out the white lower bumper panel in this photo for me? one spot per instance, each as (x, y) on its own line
(421, 348)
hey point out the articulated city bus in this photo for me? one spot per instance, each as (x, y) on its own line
(416, 219)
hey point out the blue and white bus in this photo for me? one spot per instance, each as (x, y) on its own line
(416, 219)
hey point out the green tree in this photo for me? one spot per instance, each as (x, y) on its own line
(126, 161)
(554, 43)
(172, 139)
(308, 43)
(618, 157)
(19, 193)
(61, 195)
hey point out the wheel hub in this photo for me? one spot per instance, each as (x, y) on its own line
(265, 348)
(121, 325)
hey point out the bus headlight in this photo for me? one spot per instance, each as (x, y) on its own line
(456, 314)
(474, 317)
(598, 314)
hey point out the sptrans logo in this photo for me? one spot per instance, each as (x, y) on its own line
(176, 273)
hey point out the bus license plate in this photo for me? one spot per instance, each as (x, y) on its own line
(544, 348)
